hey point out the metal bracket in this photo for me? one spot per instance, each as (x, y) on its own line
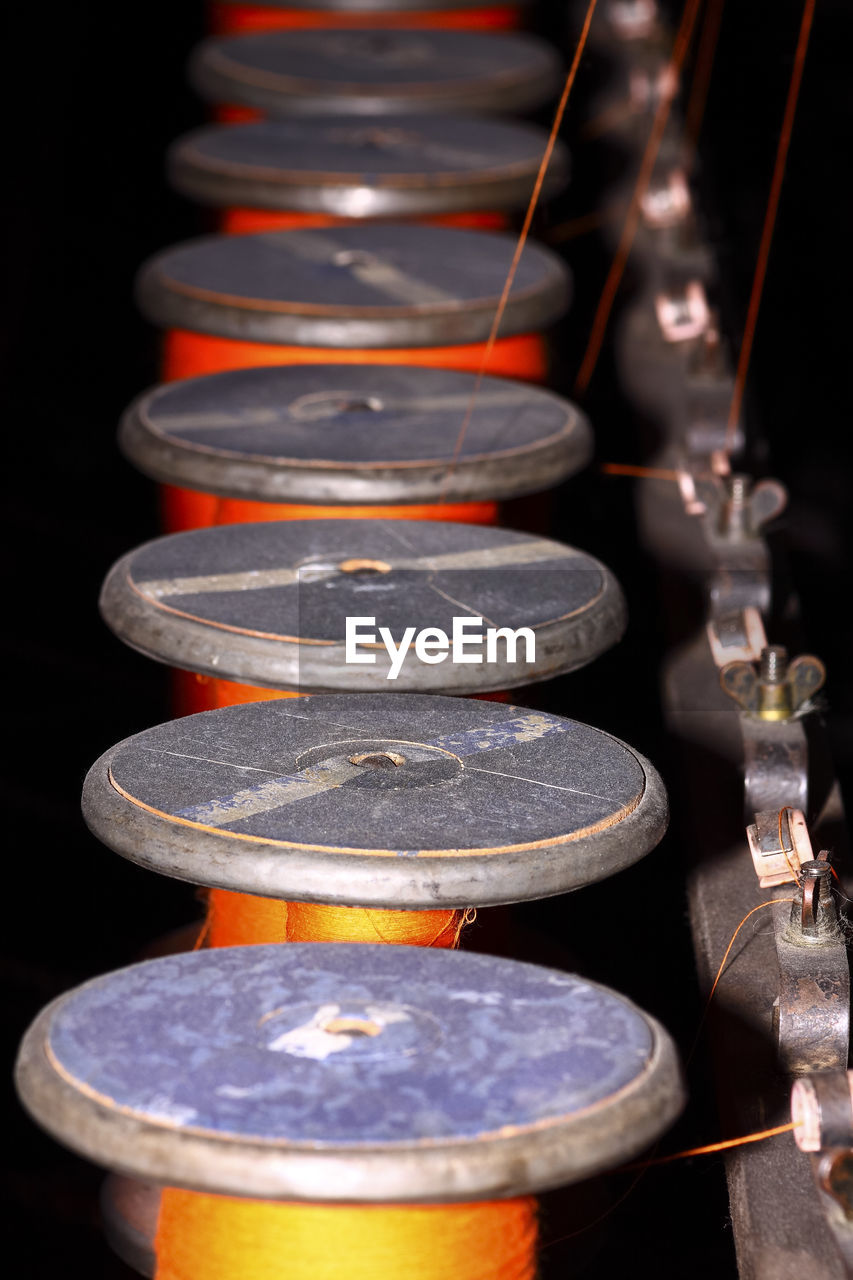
(777, 689)
(779, 843)
(813, 1007)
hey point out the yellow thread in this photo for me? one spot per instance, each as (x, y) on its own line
(204, 1237)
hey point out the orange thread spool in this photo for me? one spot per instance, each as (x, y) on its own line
(193, 692)
(229, 19)
(189, 355)
(206, 1237)
(184, 509)
(234, 919)
(245, 221)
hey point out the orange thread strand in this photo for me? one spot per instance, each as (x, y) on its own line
(769, 223)
(771, 902)
(711, 24)
(522, 239)
(640, 1167)
(712, 1147)
(617, 267)
(239, 919)
(207, 1237)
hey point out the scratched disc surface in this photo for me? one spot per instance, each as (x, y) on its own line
(341, 1072)
(392, 800)
(401, 165)
(393, 285)
(369, 434)
(272, 604)
(335, 70)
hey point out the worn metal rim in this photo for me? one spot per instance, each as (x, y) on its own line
(218, 79)
(167, 304)
(347, 195)
(496, 476)
(561, 646)
(506, 1165)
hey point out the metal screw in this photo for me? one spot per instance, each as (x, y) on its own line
(774, 664)
(813, 915)
(733, 516)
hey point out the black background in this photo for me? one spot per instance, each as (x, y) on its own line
(95, 91)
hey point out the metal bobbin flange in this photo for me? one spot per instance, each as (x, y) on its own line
(289, 800)
(288, 604)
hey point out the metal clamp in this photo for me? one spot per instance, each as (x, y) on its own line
(813, 1006)
(777, 689)
(737, 637)
(779, 843)
(683, 315)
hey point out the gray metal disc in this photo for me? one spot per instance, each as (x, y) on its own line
(267, 604)
(458, 803)
(240, 1071)
(338, 70)
(402, 166)
(389, 285)
(355, 435)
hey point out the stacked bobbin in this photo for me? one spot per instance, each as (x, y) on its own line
(303, 442)
(463, 171)
(369, 819)
(315, 1108)
(391, 294)
(304, 606)
(407, 1081)
(373, 74)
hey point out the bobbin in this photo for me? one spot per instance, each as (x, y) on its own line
(267, 604)
(241, 1072)
(383, 71)
(385, 7)
(287, 799)
(352, 286)
(349, 435)
(397, 167)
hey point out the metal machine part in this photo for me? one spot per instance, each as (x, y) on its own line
(779, 843)
(812, 1017)
(778, 689)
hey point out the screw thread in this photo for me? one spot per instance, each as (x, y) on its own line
(774, 664)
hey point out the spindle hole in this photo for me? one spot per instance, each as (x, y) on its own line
(364, 568)
(351, 1027)
(378, 759)
(333, 404)
(353, 258)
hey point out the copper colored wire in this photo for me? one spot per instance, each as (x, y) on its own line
(522, 239)
(617, 267)
(769, 223)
